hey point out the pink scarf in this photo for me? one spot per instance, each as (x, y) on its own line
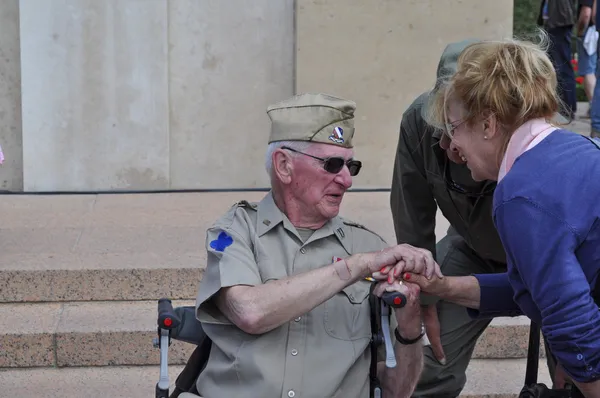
(523, 139)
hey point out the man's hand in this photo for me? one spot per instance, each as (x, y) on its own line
(560, 377)
(432, 328)
(393, 261)
(409, 316)
(401, 380)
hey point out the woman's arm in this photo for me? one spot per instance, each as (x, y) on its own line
(484, 295)
(541, 247)
(461, 290)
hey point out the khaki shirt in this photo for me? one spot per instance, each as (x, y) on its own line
(324, 353)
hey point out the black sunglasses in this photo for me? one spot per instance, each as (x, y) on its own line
(335, 164)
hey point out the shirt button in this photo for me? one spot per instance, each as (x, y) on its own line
(294, 352)
(297, 319)
(291, 393)
(590, 368)
(303, 250)
(579, 356)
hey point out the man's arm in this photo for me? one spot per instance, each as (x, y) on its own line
(585, 15)
(232, 282)
(412, 204)
(261, 308)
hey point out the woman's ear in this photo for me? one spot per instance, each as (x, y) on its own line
(490, 127)
(282, 166)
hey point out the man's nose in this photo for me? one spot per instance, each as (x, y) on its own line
(445, 142)
(344, 178)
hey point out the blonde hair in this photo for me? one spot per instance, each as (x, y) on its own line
(511, 79)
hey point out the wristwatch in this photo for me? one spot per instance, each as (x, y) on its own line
(404, 341)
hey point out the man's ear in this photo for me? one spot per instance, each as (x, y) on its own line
(282, 166)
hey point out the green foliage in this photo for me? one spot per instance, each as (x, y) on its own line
(525, 13)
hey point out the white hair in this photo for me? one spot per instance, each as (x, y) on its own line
(296, 145)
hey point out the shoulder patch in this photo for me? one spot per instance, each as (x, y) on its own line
(221, 242)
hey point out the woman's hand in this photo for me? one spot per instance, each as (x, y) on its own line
(434, 286)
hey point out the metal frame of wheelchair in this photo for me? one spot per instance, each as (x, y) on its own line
(181, 324)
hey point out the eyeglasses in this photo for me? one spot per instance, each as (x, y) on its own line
(451, 126)
(334, 164)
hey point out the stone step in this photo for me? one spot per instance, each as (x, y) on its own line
(121, 333)
(83, 334)
(485, 379)
(506, 337)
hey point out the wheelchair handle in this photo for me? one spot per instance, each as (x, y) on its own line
(394, 299)
(167, 318)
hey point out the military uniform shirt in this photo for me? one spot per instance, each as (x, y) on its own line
(323, 353)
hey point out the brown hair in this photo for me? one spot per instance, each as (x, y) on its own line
(511, 79)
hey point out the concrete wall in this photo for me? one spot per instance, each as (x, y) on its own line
(383, 54)
(171, 94)
(11, 172)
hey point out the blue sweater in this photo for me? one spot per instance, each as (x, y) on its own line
(547, 212)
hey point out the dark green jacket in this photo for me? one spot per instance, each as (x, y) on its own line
(561, 13)
(419, 186)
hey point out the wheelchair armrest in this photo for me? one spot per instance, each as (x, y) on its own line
(189, 329)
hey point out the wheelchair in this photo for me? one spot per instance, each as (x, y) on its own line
(181, 324)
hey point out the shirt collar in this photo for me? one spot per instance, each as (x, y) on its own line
(269, 216)
(528, 135)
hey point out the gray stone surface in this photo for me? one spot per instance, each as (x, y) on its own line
(383, 54)
(41, 239)
(111, 333)
(486, 379)
(94, 94)
(127, 247)
(11, 172)
(227, 63)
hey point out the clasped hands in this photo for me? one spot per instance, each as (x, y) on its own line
(404, 263)
(411, 270)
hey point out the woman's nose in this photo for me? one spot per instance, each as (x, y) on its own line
(453, 147)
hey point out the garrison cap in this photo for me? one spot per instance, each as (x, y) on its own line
(313, 117)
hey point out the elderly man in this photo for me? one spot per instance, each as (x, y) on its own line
(284, 297)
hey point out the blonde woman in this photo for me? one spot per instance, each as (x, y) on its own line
(497, 111)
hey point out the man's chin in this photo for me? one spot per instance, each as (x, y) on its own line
(330, 210)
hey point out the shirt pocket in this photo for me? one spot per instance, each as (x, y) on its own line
(347, 315)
